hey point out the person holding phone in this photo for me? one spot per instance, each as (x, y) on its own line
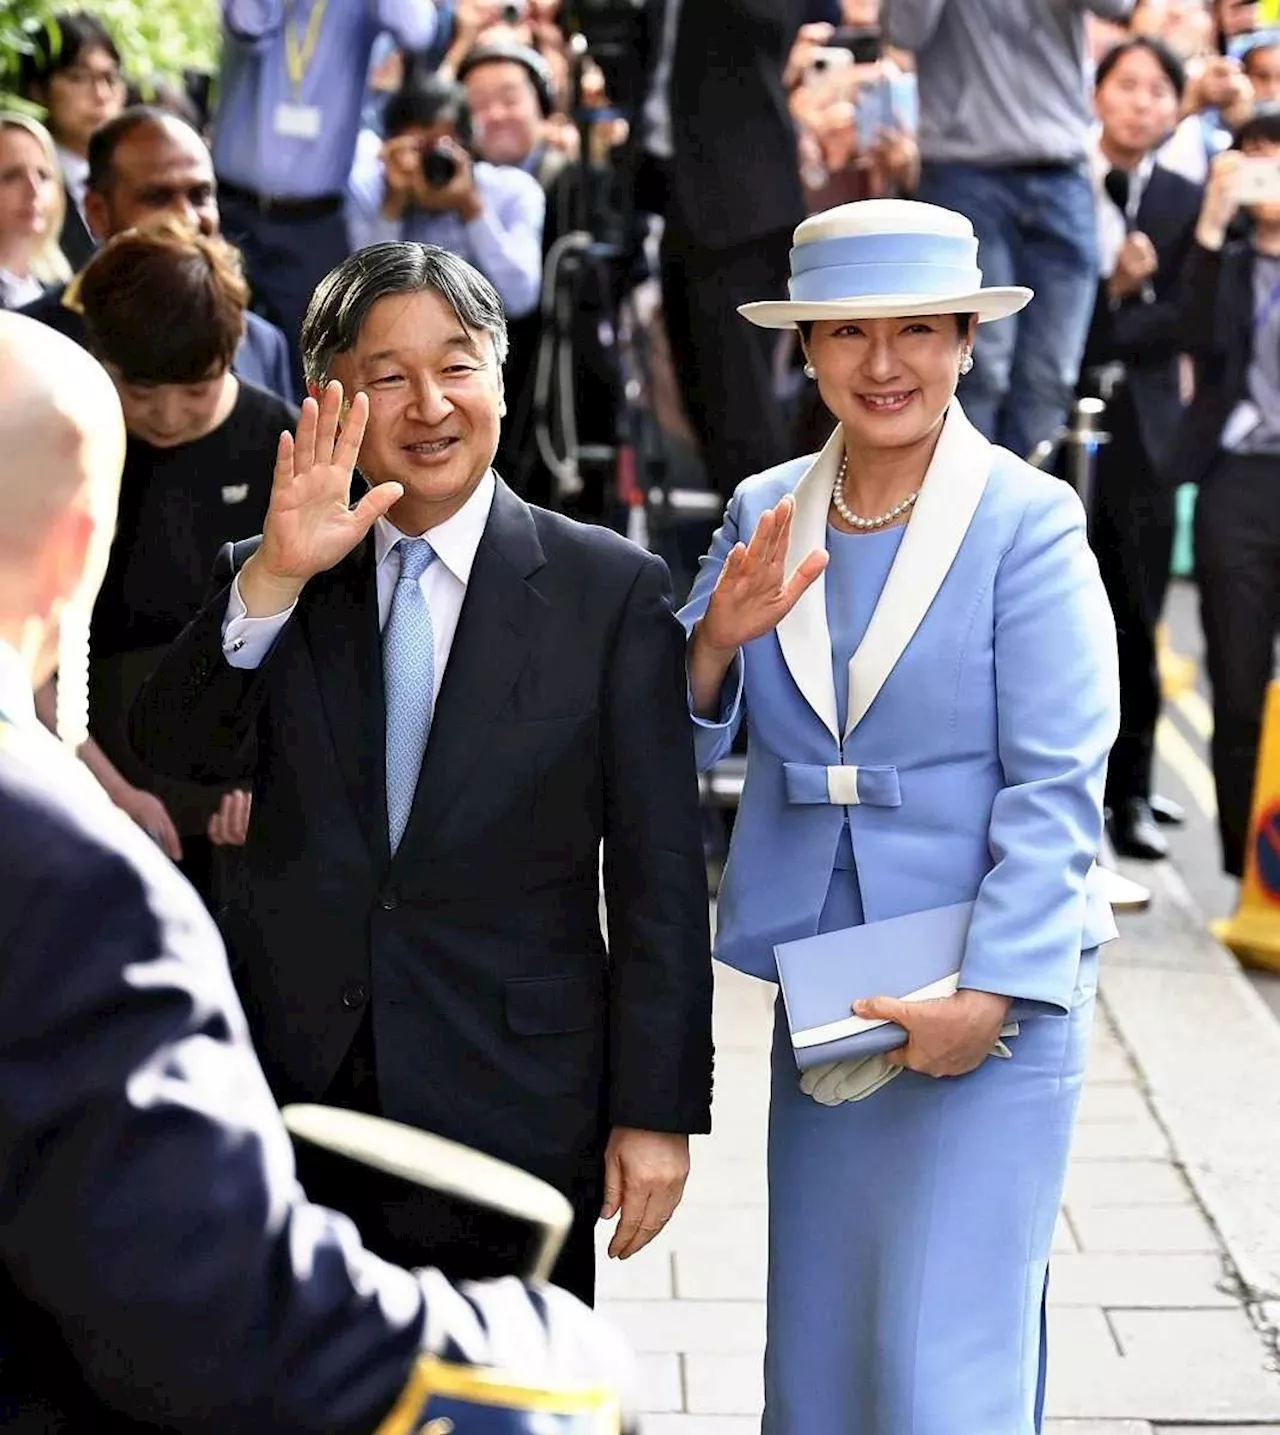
(1230, 445)
(422, 184)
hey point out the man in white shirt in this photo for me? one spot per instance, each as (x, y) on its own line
(418, 929)
(133, 1112)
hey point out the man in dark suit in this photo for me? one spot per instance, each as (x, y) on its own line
(1146, 219)
(1230, 446)
(418, 931)
(724, 169)
(159, 1266)
(142, 164)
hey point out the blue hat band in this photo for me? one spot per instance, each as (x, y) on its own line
(865, 266)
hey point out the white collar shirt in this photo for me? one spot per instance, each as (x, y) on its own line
(75, 176)
(247, 641)
(444, 583)
(16, 700)
(16, 291)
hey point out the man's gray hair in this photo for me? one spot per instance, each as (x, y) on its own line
(342, 302)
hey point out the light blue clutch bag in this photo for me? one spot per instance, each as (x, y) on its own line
(915, 956)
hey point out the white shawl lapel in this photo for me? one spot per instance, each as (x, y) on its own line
(952, 490)
(803, 634)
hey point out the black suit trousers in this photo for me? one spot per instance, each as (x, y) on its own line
(1132, 534)
(724, 365)
(1238, 566)
(401, 1231)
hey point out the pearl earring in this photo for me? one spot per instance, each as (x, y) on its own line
(966, 363)
(810, 372)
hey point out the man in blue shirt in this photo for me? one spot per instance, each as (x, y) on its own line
(293, 83)
(489, 215)
(144, 164)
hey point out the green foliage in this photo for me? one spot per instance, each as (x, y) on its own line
(158, 39)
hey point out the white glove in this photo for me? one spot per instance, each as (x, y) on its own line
(835, 1082)
(541, 1337)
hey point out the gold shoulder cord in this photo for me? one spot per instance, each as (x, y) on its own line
(488, 1390)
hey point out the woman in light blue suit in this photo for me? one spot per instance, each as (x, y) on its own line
(914, 624)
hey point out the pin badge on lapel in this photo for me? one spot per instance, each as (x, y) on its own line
(235, 493)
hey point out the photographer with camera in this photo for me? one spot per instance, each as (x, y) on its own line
(422, 185)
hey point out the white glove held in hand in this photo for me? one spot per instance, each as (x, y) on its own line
(836, 1082)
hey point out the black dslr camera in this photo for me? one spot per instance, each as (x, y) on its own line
(439, 168)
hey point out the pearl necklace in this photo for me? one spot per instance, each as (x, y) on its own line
(866, 524)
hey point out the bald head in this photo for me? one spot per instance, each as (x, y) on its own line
(61, 448)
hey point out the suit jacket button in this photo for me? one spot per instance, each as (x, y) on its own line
(389, 902)
(354, 995)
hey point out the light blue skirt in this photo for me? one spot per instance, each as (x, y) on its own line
(909, 1235)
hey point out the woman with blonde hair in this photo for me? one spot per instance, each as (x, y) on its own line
(32, 204)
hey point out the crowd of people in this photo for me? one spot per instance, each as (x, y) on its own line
(317, 313)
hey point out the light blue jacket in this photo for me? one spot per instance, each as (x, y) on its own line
(983, 701)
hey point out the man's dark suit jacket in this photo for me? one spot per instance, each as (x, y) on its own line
(262, 358)
(158, 1269)
(1218, 328)
(562, 721)
(1148, 336)
(76, 241)
(734, 174)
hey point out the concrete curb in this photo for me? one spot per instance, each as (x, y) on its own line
(1207, 1049)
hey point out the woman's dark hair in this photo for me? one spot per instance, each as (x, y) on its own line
(1172, 66)
(59, 44)
(426, 100)
(1262, 127)
(344, 297)
(163, 305)
(962, 323)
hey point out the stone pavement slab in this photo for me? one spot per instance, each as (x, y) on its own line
(1150, 1331)
(1208, 1050)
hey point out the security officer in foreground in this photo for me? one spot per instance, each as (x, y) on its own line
(159, 1265)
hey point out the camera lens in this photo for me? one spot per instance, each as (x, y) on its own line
(438, 167)
(511, 14)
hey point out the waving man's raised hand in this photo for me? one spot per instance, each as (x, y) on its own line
(310, 523)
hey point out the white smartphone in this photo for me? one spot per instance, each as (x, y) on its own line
(826, 60)
(1258, 181)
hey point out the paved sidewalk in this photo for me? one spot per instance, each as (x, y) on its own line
(1158, 1320)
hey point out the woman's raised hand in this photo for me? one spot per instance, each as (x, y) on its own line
(753, 593)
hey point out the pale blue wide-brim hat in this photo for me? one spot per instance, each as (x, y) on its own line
(884, 259)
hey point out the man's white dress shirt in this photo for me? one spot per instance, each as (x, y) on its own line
(17, 703)
(247, 641)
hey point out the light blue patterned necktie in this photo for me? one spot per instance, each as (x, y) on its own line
(409, 682)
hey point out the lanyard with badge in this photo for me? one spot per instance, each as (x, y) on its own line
(293, 119)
